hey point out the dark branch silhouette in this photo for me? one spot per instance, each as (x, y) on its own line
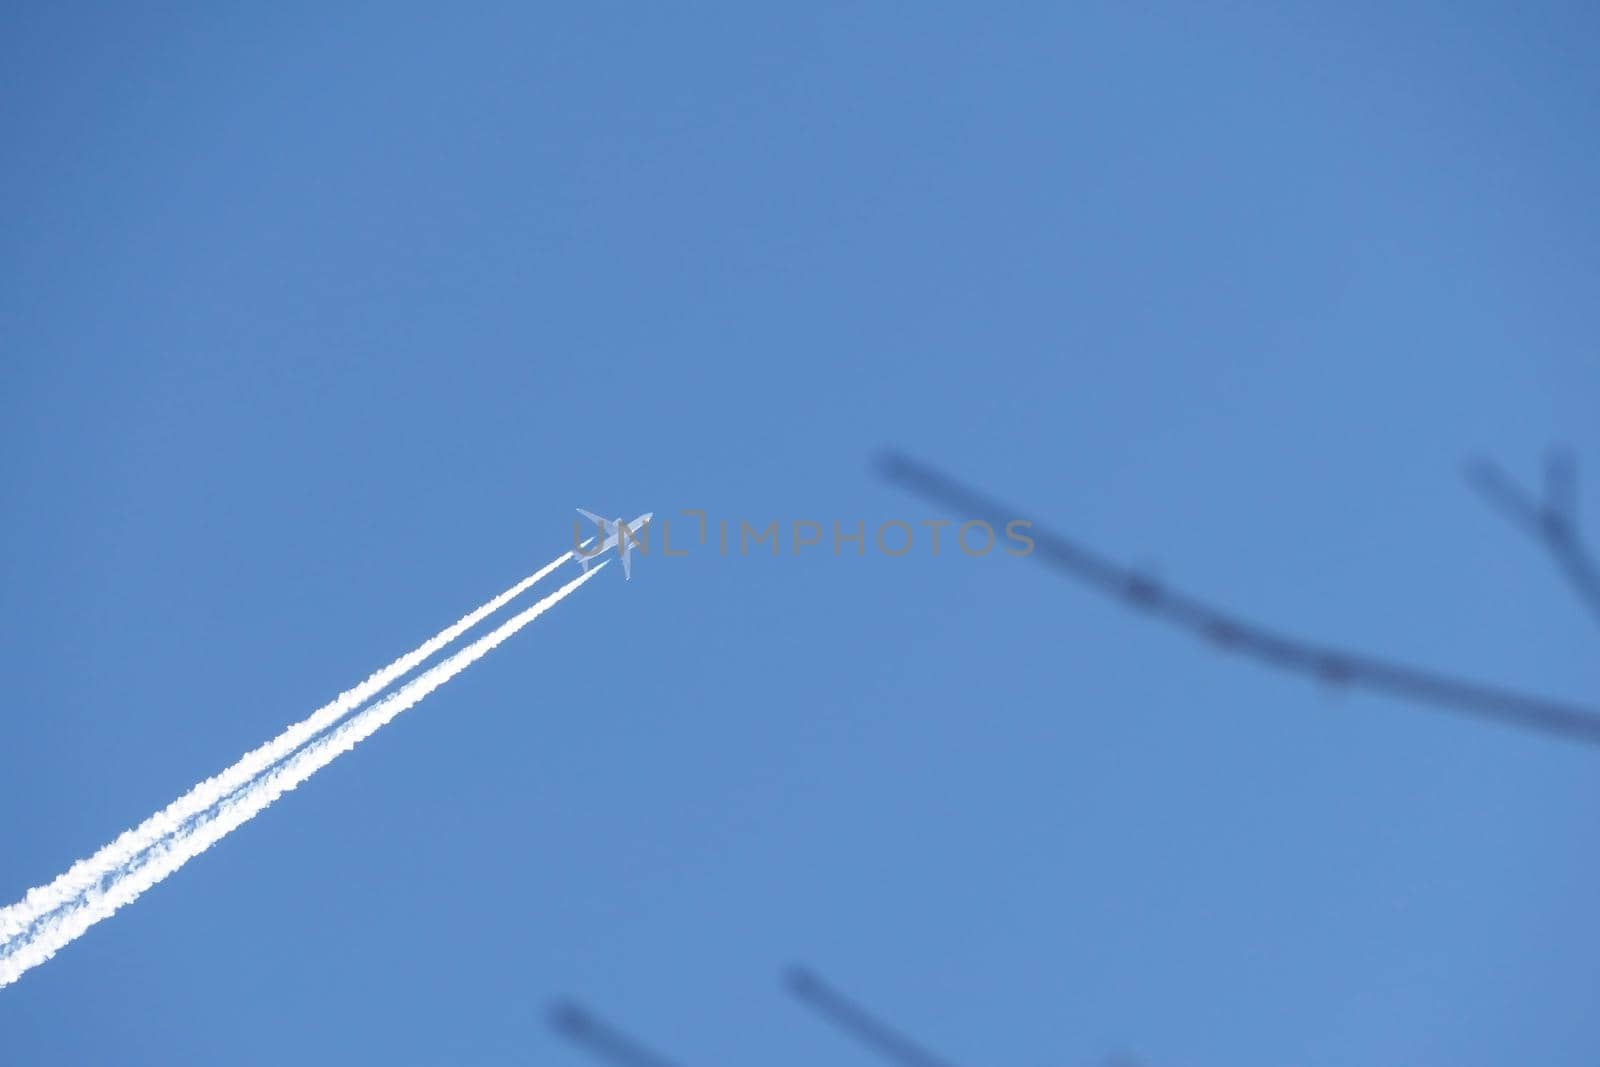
(602, 1039)
(1233, 634)
(859, 1023)
(1552, 521)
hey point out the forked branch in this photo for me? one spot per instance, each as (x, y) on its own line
(1551, 519)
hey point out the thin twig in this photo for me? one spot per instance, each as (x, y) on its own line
(601, 1038)
(859, 1023)
(1231, 633)
(1552, 521)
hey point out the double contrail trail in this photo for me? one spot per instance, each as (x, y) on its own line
(88, 873)
(51, 916)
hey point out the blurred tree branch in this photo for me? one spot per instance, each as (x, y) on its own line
(601, 1039)
(853, 1019)
(606, 1042)
(1233, 634)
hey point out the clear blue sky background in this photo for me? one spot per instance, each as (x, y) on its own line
(317, 325)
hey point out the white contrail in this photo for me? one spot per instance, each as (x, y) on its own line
(88, 873)
(168, 855)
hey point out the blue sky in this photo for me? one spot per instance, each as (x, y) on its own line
(318, 325)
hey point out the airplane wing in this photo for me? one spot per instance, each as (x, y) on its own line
(627, 561)
(592, 517)
(583, 560)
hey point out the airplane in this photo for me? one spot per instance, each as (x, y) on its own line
(610, 535)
